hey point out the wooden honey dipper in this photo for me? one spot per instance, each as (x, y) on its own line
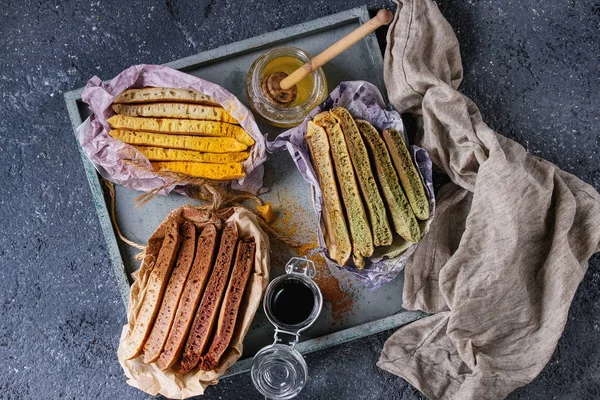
(281, 88)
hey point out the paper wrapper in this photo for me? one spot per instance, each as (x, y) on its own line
(108, 154)
(364, 101)
(171, 383)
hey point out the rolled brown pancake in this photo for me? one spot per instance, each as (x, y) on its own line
(155, 288)
(231, 304)
(160, 330)
(192, 293)
(208, 310)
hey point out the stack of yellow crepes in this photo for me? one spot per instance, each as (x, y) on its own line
(182, 131)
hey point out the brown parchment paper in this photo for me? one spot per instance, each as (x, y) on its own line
(171, 383)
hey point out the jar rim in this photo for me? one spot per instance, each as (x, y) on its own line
(265, 106)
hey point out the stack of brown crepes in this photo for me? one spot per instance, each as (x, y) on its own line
(193, 299)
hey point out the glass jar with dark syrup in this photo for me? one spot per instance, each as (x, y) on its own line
(292, 303)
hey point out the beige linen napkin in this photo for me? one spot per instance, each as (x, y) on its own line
(509, 244)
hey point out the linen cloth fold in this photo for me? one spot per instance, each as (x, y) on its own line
(510, 242)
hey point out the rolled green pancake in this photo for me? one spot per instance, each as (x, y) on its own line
(382, 233)
(407, 171)
(360, 231)
(403, 217)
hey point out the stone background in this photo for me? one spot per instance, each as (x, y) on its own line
(532, 66)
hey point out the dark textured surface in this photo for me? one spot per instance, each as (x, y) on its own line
(531, 66)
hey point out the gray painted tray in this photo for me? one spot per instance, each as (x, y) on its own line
(350, 310)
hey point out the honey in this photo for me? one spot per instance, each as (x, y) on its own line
(288, 65)
(311, 91)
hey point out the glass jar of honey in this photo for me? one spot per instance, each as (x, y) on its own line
(311, 91)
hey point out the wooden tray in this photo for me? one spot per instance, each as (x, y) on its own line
(350, 310)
